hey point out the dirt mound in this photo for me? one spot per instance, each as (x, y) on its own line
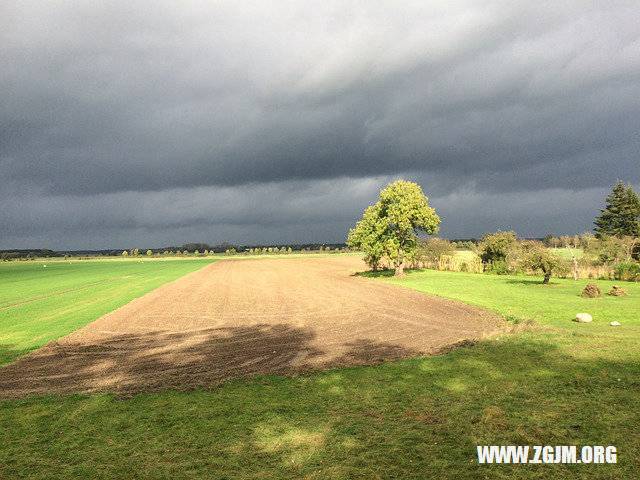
(591, 291)
(240, 318)
(617, 291)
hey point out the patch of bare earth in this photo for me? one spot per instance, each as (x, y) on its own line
(235, 319)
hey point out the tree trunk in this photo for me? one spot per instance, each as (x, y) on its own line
(400, 265)
(575, 266)
(547, 276)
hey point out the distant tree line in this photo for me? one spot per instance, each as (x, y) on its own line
(28, 254)
(197, 249)
(225, 247)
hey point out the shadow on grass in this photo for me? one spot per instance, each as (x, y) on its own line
(528, 281)
(418, 418)
(9, 353)
(379, 273)
(512, 279)
(157, 361)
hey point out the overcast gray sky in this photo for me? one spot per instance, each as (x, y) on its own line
(154, 123)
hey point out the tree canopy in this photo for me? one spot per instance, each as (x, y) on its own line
(495, 247)
(621, 215)
(434, 248)
(537, 258)
(389, 228)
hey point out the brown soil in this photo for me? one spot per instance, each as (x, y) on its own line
(239, 318)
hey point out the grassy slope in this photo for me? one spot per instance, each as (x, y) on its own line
(39, 304)
(420, 418)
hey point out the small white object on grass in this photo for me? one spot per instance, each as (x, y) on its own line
(583, 318)
(44, 266)
(615, 324)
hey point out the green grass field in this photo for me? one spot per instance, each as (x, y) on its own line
(466, 255)
(551, 383)
(525, 297)
(39, 304)
(565, 253)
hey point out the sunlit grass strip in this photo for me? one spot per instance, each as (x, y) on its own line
(39, 304)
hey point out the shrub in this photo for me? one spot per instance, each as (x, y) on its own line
(607, 249)
(627, 271)
(631, 247)
(586, 240)
(434, 248)
(497, 267)
(149, 253)
(495, 247)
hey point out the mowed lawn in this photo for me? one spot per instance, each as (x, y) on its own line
(550, 383)
(526, 298)
(39, 304)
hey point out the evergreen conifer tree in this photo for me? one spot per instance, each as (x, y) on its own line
(621, 215)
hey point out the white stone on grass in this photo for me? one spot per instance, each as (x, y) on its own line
(583, 318)
(615, 324)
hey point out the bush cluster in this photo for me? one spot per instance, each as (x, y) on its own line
(627, 271)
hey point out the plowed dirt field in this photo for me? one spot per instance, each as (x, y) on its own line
(239, 318)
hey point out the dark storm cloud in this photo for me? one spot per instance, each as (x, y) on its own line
(307, 211)
(230, 119)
